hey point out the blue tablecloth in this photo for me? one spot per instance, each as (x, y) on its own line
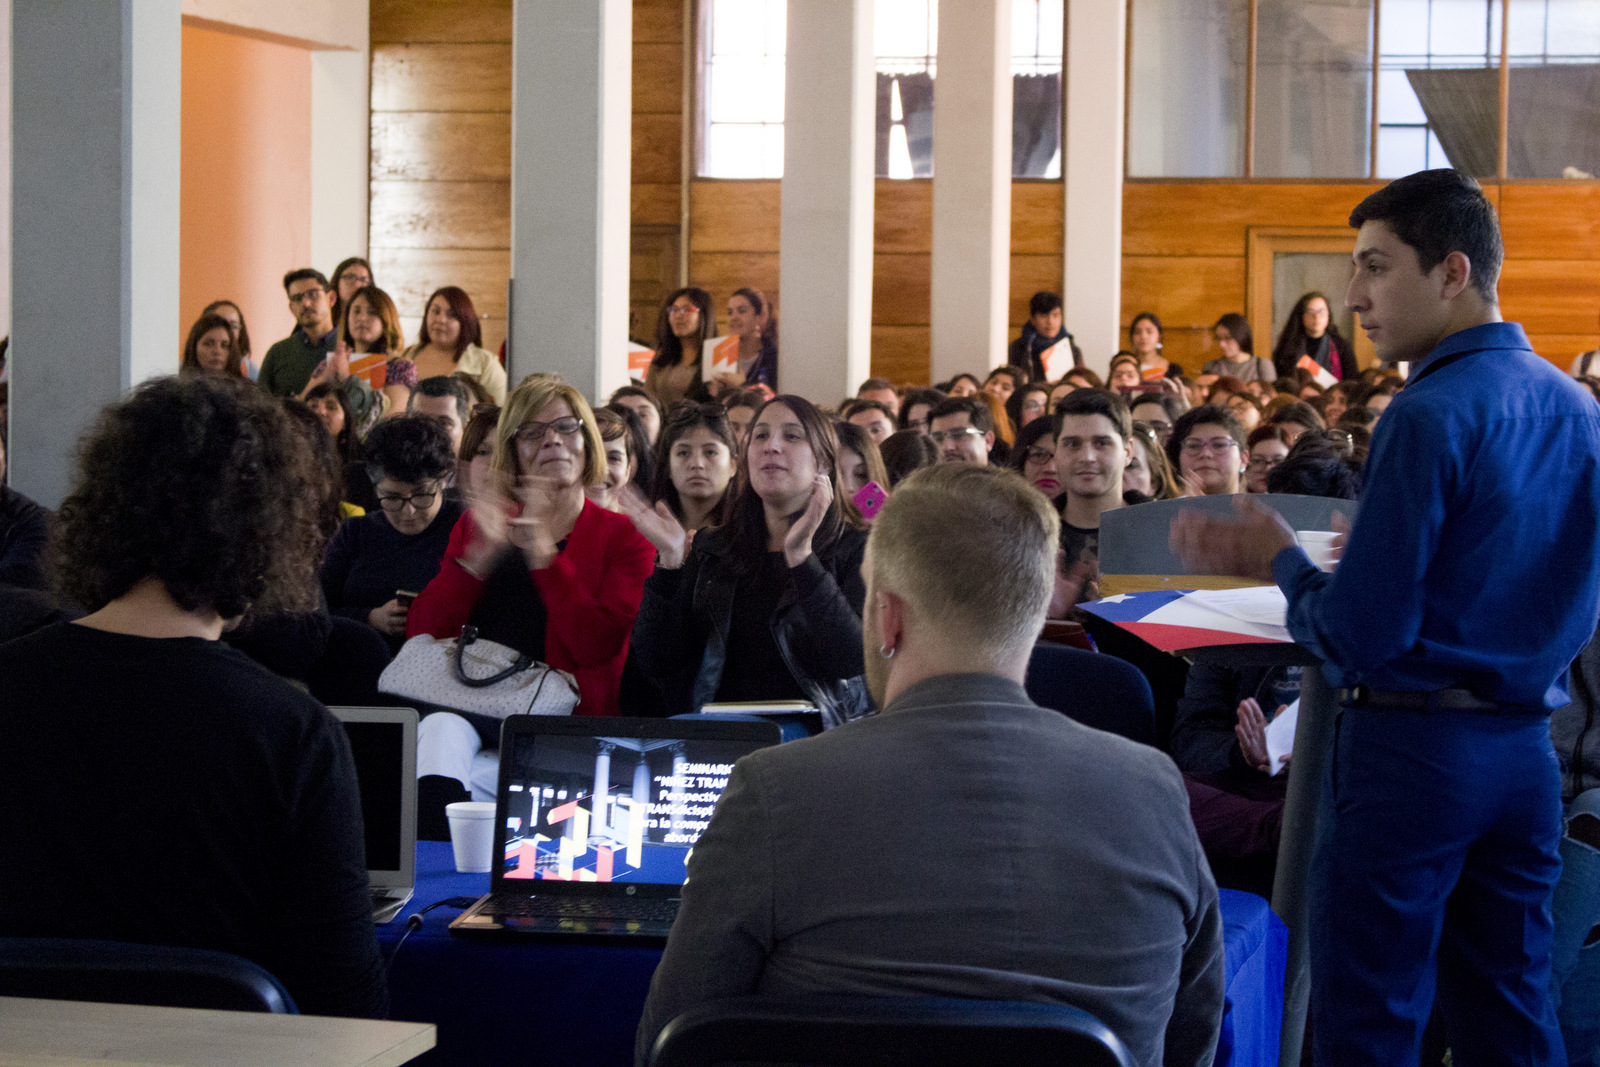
(550, 1004)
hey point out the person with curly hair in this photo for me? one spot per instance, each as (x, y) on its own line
(216, 804)
(378, 563)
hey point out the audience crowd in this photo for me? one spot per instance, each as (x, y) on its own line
(700, 537)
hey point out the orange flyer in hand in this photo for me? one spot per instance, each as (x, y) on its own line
(719, 356)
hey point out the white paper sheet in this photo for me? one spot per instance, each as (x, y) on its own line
(1263, 605)
(1280, 737)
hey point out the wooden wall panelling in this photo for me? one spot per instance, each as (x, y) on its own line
(900, 353)
(409, 275)
(1037, 225)
(1551, 296)
(437, 146)
(657, 22)
(441, 77)
(1550, 221)
(1209, 218)
(902, 216)
(655, 204)
(652, 276)
(442, 21)
(1031, 274)
(722, 272)
(657, 78)
(726, 216)
(901, 288)
(409, 214)
(656, 143)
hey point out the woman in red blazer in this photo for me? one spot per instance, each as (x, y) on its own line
(536, 566)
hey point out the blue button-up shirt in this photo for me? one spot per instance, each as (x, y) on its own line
(1475, 559)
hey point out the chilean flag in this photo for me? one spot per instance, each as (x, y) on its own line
(1175, 620)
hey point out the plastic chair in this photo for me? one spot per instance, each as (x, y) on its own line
(115, 972)
(1093, 689)
(886, 1032)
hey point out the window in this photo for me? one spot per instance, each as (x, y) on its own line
(1443, 54)
(1314, 88)
(1186, 92)
(741, 94)
(1553, 128)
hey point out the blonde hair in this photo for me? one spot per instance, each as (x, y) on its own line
(942, 519)
(526, 401)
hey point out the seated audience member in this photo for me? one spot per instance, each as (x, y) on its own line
(1083, 378)
(1207, 451)
(859, 460)
(349, 277)
(687, 320)
(1266, 447)
(741, 411)
(905, 451)
(639, 446)
(329, 403)
(24, 533)
(1144, 342)
(1034, 457)
(1156, 411)
(1042, 332)
(1243, 406)
(1310, 334)
(767, 606)
(1376, 397)
(962, 429)
(1219, 742)
(477, 449)
(445, 398)
(1124, 376)
(1238, 360)
(872, 416)
(1003, 381)
(622, 464)
(644, 405)
(751, 319)
(211, 349)
(1092, 450)
(696, 458)
(961, 385)
(1081, 830)
(1005, 433)
(1575, 952)
(1297, 417)
(1149, 474)
(371, 331)
(1030, 402)
(377, 563)
(335, 508)
(1336, 401)
(883, 391)
(1314, 468)
(916, 404)
(537, 566)
(287, 366)
(451, 342)
(223, 801)
(230, 313)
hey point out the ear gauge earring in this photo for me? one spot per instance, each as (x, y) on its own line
(887, 653)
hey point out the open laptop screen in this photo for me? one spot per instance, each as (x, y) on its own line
(611, 809)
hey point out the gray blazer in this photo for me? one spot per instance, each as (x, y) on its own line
(963, 843)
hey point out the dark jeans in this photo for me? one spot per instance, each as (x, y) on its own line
(1437, 843)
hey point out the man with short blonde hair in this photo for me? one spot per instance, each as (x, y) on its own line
(963, 842)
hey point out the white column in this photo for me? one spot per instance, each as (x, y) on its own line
(825, 257)
(599, 805)
(971, 187)
(1092, 167)
(94, 254)
(5, 168)
(340, 115)
(571, 115)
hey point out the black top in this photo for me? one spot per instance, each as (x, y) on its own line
(24, 530)
(369, 561)
(511, 610)
(170, 791)
(756, 669)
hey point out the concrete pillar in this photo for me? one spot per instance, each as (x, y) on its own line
(94, 254)
(571, 116)
(1091, 164)
(825, 257)
(340, 114)
(971, 187)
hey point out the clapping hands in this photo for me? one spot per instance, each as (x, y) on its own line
(658, 525)
(797, 542)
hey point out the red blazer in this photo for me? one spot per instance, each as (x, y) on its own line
(591, 593)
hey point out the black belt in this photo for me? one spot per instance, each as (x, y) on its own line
(1419, 700)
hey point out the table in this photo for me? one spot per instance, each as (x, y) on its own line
(64, 1033)
(549, 1004)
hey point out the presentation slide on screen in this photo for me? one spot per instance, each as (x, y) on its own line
(612, 809)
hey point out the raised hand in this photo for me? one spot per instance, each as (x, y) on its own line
(533, 531)
(1070, 582)
(338, 362)
(797, 542)
(491, 524)
(1341, 537)
(1243, 546)
(1252, 734)
(658, 525)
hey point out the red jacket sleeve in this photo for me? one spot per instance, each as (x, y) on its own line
(442, 609)
(591, 615)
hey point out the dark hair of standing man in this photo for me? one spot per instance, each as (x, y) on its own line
(304, 274)
(1042, 303)
(1438, 212)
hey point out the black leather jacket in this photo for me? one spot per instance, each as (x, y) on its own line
(681, 634)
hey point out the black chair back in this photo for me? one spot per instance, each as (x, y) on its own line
(1094, 689)
(115, 972)
(886, 1032)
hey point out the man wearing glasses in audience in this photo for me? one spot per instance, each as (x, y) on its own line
(963, 430)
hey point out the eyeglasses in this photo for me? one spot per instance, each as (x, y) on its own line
(418, 501)
(954, 436)
(678, 310)
(1194, 446)
(1039, 455)
(533, 432)
(919, 425)
(306, 297)
(1258, 463)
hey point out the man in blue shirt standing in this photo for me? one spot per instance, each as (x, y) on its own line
(1468, 585)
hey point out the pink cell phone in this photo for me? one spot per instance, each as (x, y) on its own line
(869, 500)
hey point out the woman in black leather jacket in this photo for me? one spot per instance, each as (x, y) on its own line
(768, 606)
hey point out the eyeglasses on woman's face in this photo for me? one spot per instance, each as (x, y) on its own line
(533, 433)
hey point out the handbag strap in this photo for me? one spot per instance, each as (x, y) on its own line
(469, 634)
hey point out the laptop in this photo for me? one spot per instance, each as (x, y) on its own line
(384, 744)
(594, 821)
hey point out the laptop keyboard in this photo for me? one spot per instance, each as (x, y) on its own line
(622, 909)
